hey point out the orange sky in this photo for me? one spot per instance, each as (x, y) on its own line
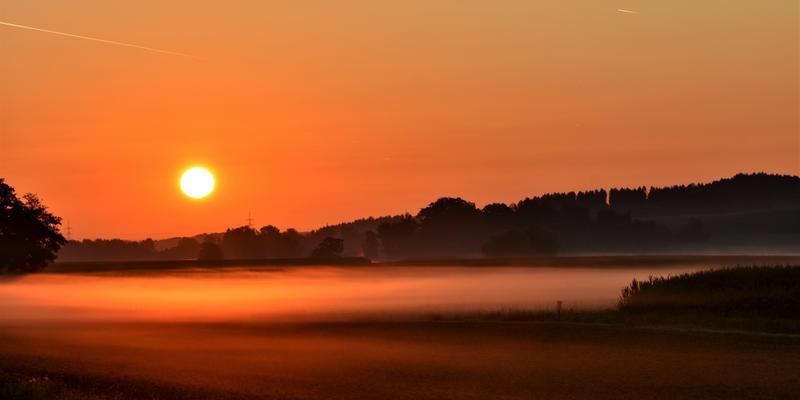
(312, 113)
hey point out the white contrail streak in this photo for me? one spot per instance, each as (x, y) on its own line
(622, 10)
(135, 46)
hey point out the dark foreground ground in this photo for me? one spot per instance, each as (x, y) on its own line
(393, 360)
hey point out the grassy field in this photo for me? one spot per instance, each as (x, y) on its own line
(405, 360)
(38, 387)
(772, 292)
(719, 334)
(756, 299)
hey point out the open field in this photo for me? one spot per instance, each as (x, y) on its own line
(386, 331)
(187, 293)
(412, 360)
(770, 292)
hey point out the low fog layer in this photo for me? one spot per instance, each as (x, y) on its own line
(322, 293)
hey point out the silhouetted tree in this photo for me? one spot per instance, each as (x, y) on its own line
(370, 246)
(543, 241)
(448, 214)
(618, 231)
(398, 237)
(209, 251)
(351, 232)
(187, 248)
(535, 241)
(450, 226)
(741, 193)
(592, 199)
(269, 239)
(728, 211)
(611, 219)
(628, 198)
(108, 250)
(511, 243)
(292, 243)
(29, 235)
(498, 216)
(329, 247)
(241, 242)
(693, 232)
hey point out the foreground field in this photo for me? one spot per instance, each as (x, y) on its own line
(393, 332)
(381, 360)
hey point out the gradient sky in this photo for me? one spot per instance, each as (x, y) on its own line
(311, 112)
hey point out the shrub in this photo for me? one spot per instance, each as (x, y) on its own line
(770, 292)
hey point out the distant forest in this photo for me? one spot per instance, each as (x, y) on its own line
(746, 213)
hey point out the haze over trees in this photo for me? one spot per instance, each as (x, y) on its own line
(29, 234)
(209, 251)
(371, 246)
(726, 215)
(111, 250)
(329, 247)
(533, 241)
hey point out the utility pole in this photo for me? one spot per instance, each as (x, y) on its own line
(69, 231)
(249, 219)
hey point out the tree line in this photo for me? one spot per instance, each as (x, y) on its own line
(595, 221)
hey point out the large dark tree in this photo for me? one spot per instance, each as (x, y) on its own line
(29, 235)
(450, 226)
(270, 241)
(292, 243)
(449, 215)
(398, 236)
(535, 241)
(329, 247)
(209, 251)
(241, 243)
(187, 248)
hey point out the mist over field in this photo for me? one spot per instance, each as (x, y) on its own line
(315, 293)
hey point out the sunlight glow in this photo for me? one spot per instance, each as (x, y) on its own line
(197, 182)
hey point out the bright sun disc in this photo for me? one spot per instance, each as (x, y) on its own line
(197, 182)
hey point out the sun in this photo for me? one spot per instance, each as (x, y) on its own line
(197, 182)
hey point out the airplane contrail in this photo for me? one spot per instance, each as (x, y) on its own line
(135, 46)
(622, 10)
